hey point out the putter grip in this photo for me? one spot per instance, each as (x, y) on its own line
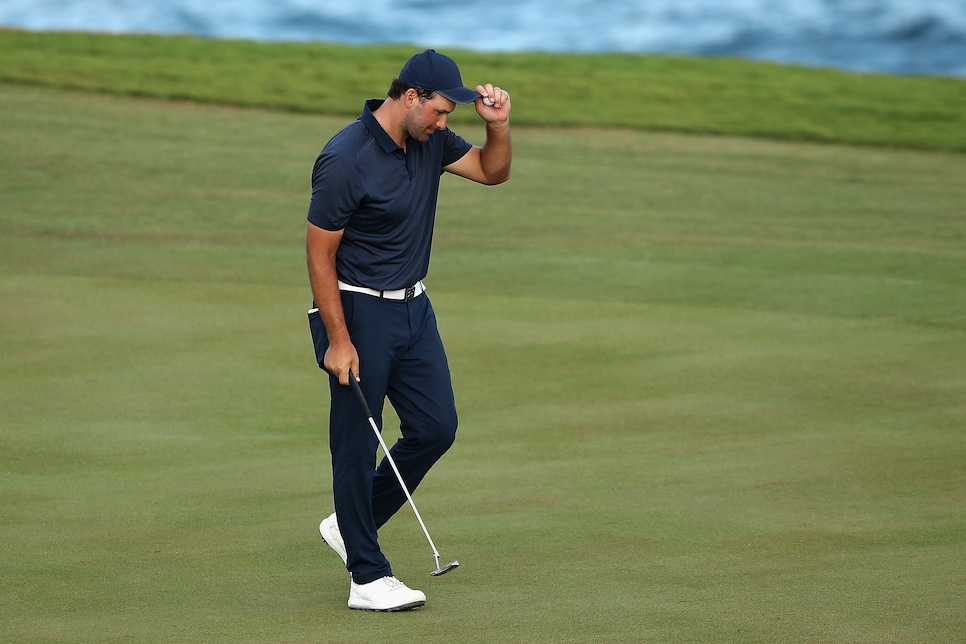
(358, 392)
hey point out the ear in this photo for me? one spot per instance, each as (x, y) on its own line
(410, 98)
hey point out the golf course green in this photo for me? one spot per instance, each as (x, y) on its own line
(712, 387)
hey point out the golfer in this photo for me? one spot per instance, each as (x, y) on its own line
(370, 228)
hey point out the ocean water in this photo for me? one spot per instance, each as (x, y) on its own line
(888, 36)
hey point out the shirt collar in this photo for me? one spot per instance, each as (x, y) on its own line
(379, 134)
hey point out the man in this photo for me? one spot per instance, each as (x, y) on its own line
(370, 228)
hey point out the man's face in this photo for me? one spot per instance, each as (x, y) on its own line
(424, 118)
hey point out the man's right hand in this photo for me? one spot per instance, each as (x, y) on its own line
(339, 359)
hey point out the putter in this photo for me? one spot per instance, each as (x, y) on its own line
(440, 570)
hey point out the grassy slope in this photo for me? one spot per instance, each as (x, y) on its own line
(717, 96)
(711, 388)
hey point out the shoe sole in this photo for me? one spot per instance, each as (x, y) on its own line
(394, 609)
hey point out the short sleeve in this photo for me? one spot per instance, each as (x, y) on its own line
(455, 148)
(336, 190)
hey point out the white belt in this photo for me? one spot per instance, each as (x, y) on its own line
(404, 294)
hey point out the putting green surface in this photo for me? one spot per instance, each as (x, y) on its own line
(711, 389)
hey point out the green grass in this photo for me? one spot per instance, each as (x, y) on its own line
(711, 388)
(707, 96)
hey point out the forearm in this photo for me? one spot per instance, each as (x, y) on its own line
(497, 153)
(325, 291)
(320, 252)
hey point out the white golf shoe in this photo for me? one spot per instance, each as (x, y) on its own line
(387, 594)
(329, 529)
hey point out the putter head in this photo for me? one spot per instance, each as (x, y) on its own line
(442, 570)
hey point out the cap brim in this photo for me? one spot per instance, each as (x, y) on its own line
(459, 95)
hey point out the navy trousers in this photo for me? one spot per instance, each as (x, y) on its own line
(401, 358)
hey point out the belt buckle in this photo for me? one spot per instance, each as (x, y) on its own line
(410, 292)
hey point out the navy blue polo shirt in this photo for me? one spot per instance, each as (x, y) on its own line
(383, 198)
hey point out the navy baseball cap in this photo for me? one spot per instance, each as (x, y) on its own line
(437, 73)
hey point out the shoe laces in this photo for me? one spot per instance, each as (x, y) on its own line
(394, 584)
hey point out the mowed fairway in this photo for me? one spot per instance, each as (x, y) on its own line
(711, 389)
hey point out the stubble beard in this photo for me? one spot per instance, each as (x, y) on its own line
(415, 130)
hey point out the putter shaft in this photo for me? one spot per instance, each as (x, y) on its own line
(392, 463)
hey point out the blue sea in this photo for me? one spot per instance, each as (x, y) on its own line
(888, 36)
